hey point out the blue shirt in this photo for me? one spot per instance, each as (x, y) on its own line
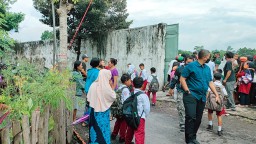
(92, 75)
(198, 78)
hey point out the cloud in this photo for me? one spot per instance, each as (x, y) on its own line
(216, 24)
(31, 28)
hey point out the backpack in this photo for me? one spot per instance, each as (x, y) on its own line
(211, 100)
(130, 111)
(154, 85)
(117, 106)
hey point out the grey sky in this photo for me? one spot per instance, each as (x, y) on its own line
(216, 24)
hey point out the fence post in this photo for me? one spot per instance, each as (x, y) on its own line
(34, 124)
(26, 129)
(16, 132)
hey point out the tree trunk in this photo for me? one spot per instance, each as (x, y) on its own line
(62, 56)
(78, 47)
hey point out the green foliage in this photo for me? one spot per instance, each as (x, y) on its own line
(184, 52)
(30, 88)
(246, 51)
(198, 48)
(47, 35)
(8, 21)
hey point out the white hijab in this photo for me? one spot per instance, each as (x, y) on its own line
(100, 95)
(131, 69)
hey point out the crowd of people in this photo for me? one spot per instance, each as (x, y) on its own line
(197, 80)
(201, 83)
(100, 86)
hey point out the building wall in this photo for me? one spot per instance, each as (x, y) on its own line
(139, 45)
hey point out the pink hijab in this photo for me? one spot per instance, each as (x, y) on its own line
(100, 95)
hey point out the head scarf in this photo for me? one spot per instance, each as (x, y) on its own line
(100, 95)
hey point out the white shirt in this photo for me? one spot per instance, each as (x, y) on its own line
(170, 66)
(143, 104)
(144, 74)
(150, 77)
(125, 93)
(211, 65)
(218, 83)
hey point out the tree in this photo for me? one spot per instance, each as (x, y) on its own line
(198, 48)
(47, 35)
(102, 17)
(8, 21)
(246, 51)
(229, 48)
(184, 52)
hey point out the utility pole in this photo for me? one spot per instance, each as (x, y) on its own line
(54, 34)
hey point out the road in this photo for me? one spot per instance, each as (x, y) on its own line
(162, 128)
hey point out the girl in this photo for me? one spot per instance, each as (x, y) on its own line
(100, 98)
(244, 88)
(172, 73)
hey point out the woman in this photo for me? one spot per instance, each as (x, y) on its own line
(100, 98)
(244, 88)
(78, 78)
(175, 66)
(112, 67)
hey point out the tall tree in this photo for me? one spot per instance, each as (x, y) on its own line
(102, 17)
(8, 21)
(246, 51)
(47, 35)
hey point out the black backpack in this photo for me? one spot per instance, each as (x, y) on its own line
(117, 106)
(154, 85)
(130, 111)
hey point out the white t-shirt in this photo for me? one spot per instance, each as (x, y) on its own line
(125, 93)
(212, 67)
(150, 77)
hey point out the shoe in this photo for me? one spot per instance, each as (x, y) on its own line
(163, 89)
(233, 109)
(121, 140)
(195, 141)
(209, 128)
(113, 137)
(182, 128)
(153, 104)
(220, 133)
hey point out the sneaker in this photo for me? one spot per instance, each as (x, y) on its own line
(113, 137)
(209, 128)
(163, 89)
(220, 133)
(194, 141)
(182, 128)
(153, 104)
(121, 140)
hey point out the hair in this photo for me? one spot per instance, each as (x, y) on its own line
(76, 64)
(113, 61)
(95, 62)
(141, 64)
(195, 52)
(229, 54)
(125, 77)
(202, 53)
(138, 82)
(217, 76)
(188, 57)
(184, 55)
(219, 71)
(153, 70)
(175, 64)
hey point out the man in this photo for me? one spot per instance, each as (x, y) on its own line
(216, 59)
(229, 80)
(176, 82)
(195, 80)
(85, 59)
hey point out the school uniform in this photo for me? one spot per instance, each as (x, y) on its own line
(143, 107)
(150, 78)
(144, 76)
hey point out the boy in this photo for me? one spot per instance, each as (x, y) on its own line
(143, 106)
(120, 125)
(153, 85)
(217, 82)
(144, 76)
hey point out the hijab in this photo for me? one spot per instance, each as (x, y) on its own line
(100, 95)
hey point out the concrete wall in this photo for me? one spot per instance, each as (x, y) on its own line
(139, 45)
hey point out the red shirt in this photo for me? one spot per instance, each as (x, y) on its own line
(243, 88)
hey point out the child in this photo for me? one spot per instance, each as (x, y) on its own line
(144, 76)
(120, 125)
(143, 106)
(222, 93)
(153, 85)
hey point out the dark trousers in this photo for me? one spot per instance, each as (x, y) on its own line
(194, 111)
(244, 99)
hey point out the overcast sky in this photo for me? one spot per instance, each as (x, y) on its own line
(216, 24)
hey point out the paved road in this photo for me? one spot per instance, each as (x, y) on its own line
(162, 128)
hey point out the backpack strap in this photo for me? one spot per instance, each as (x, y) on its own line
(137, 94)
